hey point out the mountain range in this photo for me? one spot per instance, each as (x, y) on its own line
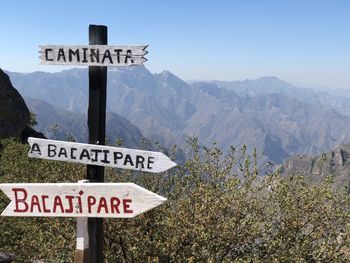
(63, 124)
(269, 114)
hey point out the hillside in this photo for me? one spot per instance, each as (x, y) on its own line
(61, 124)
(210, 214)
(335, 163)
(337, 99)
(277, 118)
(14, 114)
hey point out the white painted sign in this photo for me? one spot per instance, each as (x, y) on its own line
(93, 55)
(148, 161)
(117, 200)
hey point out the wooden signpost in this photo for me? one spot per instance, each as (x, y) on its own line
(113, 200)
(97, 135)
(154, 162)
(90, 200)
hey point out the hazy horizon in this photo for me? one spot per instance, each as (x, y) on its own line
(296, 84)
(298, 41)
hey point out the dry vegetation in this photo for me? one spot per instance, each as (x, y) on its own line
(219, 209)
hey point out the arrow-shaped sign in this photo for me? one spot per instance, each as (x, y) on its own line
(117, 157)
(118, 200)
(93, 55)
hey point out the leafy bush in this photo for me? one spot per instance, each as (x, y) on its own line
(219, 209)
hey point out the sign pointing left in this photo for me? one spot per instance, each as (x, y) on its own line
(118, 200)
(148, 161)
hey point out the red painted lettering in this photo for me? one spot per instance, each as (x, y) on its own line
(126, 206)
(70, 202)
(45, 210)
(57, 202)
(35, 202)
(115, 202)
(91, 201)
(102, 204)
(20, 200)
(79, 202)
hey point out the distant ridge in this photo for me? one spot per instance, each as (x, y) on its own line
(61, 124)
(269, 114)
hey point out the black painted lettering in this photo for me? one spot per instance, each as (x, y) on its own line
(61, 55)
(139, 161)
(94, 55)
(108, 55)
(117, 156)
(51, 150)
(95, 158)
(84, 154)
(72, 53)
(128, 56)
(35, 148)
(63, 151)
(150, 161)
(128, 160)
(105, 160)
(72, 156)
(85, 55)
(118, 54)
(47, 50)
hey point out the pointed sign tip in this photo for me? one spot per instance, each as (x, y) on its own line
(138, 199)
(39, 148)
(173, 164)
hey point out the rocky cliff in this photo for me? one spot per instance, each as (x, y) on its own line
(14, 114)
(335, 163)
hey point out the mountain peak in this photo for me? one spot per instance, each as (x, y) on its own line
(166, 74)
(269, 78)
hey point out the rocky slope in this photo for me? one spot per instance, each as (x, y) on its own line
(62, 124)
(334, 163)
(273, 85)
(14, 114)
(269, 114)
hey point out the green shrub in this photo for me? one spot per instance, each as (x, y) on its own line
(219, 209)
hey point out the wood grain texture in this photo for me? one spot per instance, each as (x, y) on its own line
(82, 233)
(98, 35)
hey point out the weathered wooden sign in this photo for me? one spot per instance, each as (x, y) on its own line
(93, 55)
(117, 157)
(118, 200)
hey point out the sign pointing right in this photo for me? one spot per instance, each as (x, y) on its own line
(124, 158)
(117, 200)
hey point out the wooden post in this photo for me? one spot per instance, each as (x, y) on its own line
(82, 254)
(82, 250)
(96, 126)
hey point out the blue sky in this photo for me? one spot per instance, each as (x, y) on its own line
(305, 42)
